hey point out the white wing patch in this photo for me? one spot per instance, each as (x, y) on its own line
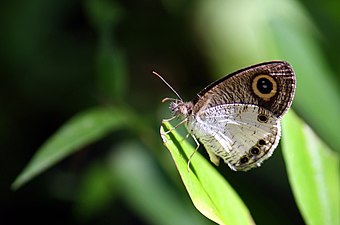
(230, 131)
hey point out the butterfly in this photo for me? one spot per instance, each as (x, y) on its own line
(237, 118)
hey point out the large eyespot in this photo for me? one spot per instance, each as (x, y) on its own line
(244, 159)
(264, 86)
(255, 150)
(262, 118)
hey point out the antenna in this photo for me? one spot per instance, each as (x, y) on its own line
(167, 84)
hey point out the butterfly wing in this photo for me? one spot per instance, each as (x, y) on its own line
(270, 85)
(237, 118)
(235, 133)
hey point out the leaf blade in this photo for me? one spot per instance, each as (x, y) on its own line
(208, 190)
(313, 172)
(79, 131)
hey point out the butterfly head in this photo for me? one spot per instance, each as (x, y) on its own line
(178, 107)
(181, 109)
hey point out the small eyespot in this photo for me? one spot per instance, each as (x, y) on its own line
(244, 160)
(262, 118)
(255, 150)
(261, 142)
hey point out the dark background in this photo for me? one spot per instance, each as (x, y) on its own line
(59, 58)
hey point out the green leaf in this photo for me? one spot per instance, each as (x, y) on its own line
(208, 190)
(79, 131)
(313, 171)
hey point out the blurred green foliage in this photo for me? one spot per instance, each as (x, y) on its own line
(313, 172)
(60, 58)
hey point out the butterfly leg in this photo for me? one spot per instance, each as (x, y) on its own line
(167, 120)
(173, 128)
(192, 154)
(168, 99)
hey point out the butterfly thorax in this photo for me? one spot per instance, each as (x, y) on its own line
(180, 108)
